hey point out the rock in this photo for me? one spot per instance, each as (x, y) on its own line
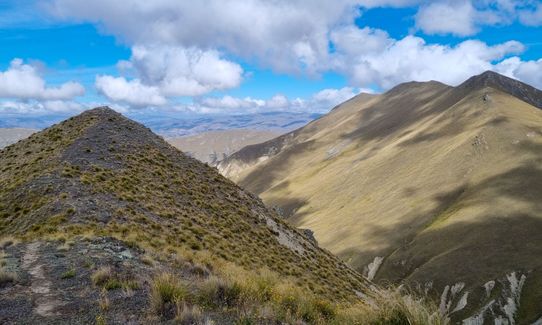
(309, 234)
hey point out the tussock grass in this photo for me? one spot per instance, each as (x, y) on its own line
(102, 276)
(105, 278)
(188, 314)
(7, 277)
(104, 300)
(166, 290)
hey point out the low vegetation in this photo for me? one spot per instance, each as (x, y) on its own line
(167, 291)
(6, 277)
(68, 274)
(106, 279)
(262, 295)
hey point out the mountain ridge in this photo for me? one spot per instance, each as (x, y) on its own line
(388, 186)
(99, 196)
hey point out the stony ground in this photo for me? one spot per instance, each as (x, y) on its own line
(54, 284)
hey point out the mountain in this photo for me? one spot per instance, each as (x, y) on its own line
(102, 221)
(426, 184)
(213, 146)
(178, 125)
(12, 135)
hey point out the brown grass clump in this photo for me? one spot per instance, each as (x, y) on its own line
(188, 314)
(7, 277)
(166, 290)
(391, 306)
(102, 276)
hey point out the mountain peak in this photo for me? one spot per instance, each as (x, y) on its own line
(506, 84)
(102, 174)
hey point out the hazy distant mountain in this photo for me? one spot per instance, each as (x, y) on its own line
(12, 135)
(427, 184)
(169, 125)
(172, 125)
(213, 146)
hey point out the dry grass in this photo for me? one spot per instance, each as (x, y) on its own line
(188, 314)
(104, 300)
(391, 306)
(166, 290)
(7, 277)
(101, 276)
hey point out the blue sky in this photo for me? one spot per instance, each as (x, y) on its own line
(233, 57)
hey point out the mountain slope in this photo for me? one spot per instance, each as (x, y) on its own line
(428, 184)
(98, 199)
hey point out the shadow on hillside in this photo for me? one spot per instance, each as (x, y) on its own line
(259, 182)
(499, 240)
(400, 109)
(496, 243)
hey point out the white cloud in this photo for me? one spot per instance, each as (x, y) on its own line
(185, 71)
(527, 71)
(320, 102)
(22, 81)
(40, 107)
(395, 61)
(131, 92)
(456, 17)
(188, 48)
(169, 71)
(466, 17)
(289, 36)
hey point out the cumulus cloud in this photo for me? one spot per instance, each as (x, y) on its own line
(466, 17)
(391, 61)
(527, 71)
(185, 71)
(319, 102)
(169, 71)
(457, 17)
(22, 81)
(40, 107)
(132, 92)
(290, 36)
(183, 48)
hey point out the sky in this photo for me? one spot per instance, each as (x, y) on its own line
(251, 56)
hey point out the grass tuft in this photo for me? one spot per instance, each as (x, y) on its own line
(166, 290)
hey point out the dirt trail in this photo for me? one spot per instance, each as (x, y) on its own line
(45, 302)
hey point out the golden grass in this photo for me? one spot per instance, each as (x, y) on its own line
(166, 289)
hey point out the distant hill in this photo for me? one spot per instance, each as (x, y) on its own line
(214, 146)
(180, 125)
(102, 221)
(12, 135)
(427, 184)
